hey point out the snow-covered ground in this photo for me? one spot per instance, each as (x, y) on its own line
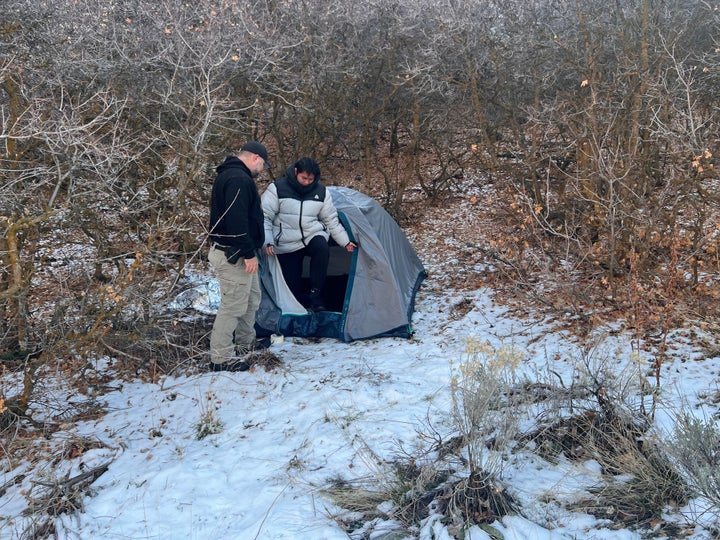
(332, 410)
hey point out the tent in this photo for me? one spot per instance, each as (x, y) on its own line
(368, 293)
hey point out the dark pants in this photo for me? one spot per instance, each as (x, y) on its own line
(292, 265)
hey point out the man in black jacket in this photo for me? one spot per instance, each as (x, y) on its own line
(236, 233)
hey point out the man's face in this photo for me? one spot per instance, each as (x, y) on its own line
(258, 166)
(304, 178)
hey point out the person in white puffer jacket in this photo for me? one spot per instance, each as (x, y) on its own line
(300, 217)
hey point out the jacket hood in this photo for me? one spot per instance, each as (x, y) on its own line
(231, 162)
(293, 181)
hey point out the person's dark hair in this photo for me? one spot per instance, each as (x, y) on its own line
(308, 165)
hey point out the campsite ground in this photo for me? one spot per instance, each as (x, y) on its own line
(180, 453)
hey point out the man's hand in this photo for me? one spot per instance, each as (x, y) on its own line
(270, 250)
(350, 247)
(251, 265)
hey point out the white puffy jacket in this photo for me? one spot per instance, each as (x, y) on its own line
(292, 219)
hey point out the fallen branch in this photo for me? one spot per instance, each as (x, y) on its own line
(93, 474)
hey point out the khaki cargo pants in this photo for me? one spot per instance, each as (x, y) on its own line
(239, 301)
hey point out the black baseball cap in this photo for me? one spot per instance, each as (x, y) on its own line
(255, 147)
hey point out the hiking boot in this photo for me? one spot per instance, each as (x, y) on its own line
(236, 364)
(316, 302)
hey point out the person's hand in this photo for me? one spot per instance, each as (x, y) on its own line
(350, 247)
(251, 265)
(270, 250)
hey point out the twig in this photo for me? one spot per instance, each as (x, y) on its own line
(262, 523)
(93, 473)
(12, 482)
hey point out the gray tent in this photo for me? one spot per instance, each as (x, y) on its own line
(368, 293)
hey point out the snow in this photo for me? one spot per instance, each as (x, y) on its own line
(332, 410)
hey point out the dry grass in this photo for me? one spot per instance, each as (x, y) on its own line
(641, 483)
(265, 358)
(407, 491)
(638, 479)
(356, 496)
(208, 424)
(695, 449)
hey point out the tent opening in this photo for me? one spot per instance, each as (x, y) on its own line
(336, 282)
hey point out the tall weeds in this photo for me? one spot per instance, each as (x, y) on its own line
(481, 389)
(696, 449)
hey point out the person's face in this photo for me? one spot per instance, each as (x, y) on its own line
(258, 165)
(304, 178)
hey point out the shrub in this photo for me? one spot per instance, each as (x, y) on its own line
(696, 450)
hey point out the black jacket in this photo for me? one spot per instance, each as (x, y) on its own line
(236, 218)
